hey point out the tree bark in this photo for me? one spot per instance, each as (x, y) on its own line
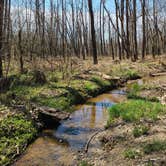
(127, 29)
(94, 48)
(143, 30)
(135, 29)
(118, 31)
(1, 35)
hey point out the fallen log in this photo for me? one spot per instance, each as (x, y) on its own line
(157, 74)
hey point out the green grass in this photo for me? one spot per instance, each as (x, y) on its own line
(84, 163)
(131, 154)
(133, 96)
(91, 88)
(146, 148)
(135, 88)
(155, 146)
(100, 82)
(134, 93)
(15, 134)
(140, 130)
(134, 110)
(131, 74)
(61, 103)
(56, 93)
(125, 72)
(26, 92)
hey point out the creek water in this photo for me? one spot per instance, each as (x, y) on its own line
(58, 146)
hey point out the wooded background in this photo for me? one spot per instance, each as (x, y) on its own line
(31, 29)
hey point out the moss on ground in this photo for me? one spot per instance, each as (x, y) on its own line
(56, 93)
(59, 93)
(16, 132)
(125, 72)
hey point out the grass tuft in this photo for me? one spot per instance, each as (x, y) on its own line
(140, 130)
(132, 75)
(84, 163)
(155, 146)
(134, 110)
(134, 93)
(131, 154)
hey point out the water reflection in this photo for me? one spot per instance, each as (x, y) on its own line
(56, 147)
(88, 118)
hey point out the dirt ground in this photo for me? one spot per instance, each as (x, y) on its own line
(115, 140)
(120, 138)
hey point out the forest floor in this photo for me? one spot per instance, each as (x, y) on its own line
(73, 84)
(137, 137)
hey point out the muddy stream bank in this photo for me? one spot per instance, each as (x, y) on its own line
(59, 146)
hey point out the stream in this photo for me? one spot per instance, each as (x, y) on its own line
(59, 146)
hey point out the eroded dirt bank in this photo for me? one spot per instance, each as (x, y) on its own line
(61, 146)
(140, 142)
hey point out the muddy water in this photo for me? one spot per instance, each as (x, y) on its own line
(60, 146)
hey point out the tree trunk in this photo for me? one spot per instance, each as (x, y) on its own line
(122, 27)
(117, 27)
(127, 30)
(1, 35)
(94, 48)
(101, 40)
(143, 30)
(20, 51)
(135, 29)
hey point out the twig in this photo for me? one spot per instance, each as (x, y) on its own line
(90, 139)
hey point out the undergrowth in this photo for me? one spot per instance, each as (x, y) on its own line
(16, 132)
(134, 110)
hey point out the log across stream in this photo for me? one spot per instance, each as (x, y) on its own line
(60, 145)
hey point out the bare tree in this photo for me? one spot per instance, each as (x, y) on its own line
(95, 60)
(143, 30)
(1, 34)
(135, 29)
(127, 29)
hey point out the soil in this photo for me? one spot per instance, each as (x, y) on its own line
(118, 138)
